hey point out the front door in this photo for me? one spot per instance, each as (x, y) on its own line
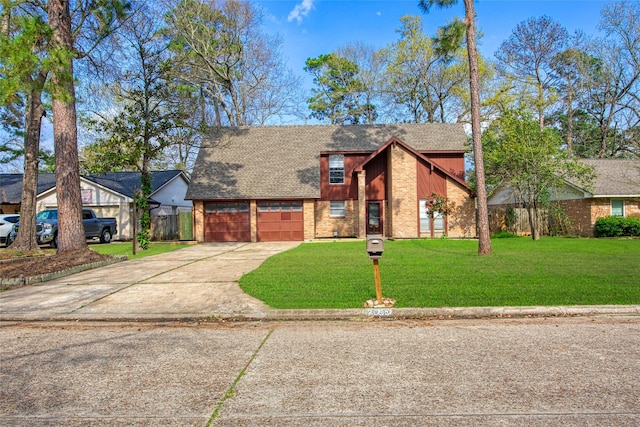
(374, 218)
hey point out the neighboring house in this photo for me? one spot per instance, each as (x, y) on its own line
(109, 194)
(305, 182)
(615, 192)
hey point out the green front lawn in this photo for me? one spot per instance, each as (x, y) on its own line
(126, 248)
(449, 273)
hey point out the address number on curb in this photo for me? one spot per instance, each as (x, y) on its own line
(382, 312)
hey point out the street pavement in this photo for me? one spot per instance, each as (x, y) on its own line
(580, 371)
(201, 282)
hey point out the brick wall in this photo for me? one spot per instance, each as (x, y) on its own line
(580, 213)
(632, 207)
(198, 220)
(402, 215)
(346, 226)
(309, 219)
(462, 222)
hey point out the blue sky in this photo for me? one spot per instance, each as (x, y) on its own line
(313, 27)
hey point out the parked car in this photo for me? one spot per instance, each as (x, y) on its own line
(6, 225)
(47, 227)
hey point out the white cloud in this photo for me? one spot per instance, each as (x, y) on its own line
(300, 10)
(379, 13)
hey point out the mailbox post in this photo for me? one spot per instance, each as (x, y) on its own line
(375, 247)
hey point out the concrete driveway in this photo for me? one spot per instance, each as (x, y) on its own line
(194, 282)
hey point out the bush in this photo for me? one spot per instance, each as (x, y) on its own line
(612, 226)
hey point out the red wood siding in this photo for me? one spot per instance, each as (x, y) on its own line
(375, 177)
(450, 162)
(346, 191)
(430, 181)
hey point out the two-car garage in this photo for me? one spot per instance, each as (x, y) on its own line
(275, 221)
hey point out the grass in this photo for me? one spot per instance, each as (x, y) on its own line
(117, 248)
(449, 273)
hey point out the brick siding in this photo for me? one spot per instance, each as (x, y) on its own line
(402, 215)
(346, 226)
(462, 222)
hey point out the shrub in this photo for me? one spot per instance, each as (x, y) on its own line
(612, 226)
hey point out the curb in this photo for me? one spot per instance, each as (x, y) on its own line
(359, 315)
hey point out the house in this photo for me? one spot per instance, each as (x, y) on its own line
(615, 192)
(306, 182)
(109, 194)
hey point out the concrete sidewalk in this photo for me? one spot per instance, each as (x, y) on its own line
(200, 282)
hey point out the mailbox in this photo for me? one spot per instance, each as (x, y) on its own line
(375, 246)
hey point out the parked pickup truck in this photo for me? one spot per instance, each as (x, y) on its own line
(94, 227)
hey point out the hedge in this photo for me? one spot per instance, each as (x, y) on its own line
(614, 226)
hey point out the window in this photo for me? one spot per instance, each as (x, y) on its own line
(336, 169)
(218, 207)
(336, 208)
(425, 219)
(617, 208)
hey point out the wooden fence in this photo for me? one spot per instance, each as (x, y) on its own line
(172, 227)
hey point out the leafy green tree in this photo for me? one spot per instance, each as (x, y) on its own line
(24, 68)
(338, 92)
(531, 162)
(449, 37)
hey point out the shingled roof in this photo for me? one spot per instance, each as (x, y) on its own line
(284, 161)
(615, 177)
(11, 186)
(120, 182)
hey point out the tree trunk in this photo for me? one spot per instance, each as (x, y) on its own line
(484, 243)
(65, 133)
(569, 118)
(534, 222)
(26, 239)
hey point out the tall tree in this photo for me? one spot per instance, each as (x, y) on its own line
(621, 60)
(49, 24)
(531, 162)
(370, 74)
(338, 95)
(65, 132)
(136, 135)
(573, 69)
(450, 37)
(422, 80)
(526, 57)
(24, 66)
(221, 50)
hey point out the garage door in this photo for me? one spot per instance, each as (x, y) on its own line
(280, 221)
(227, 222)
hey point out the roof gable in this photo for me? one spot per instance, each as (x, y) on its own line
(284, 161)
(431, 163)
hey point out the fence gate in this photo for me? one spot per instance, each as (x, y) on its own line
(186, 226)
